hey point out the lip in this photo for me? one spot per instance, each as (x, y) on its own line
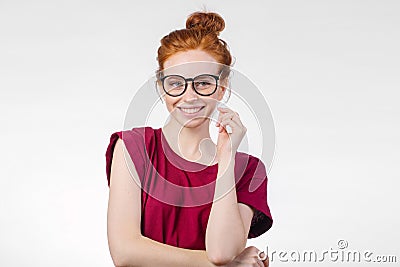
(193, 107)
(191, 114)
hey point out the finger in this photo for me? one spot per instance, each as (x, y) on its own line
(266, 262)
(227, 128)
(223, 117)
(258, 263)
(237, 120)
(229, 122)
(231, 115)
(226, 112)
(223, 109)
(234, 124)
(263, 257)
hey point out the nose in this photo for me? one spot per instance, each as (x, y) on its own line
(190, 93)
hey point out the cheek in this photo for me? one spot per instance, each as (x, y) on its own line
(221, 91)
(171, 105)
(212, 102)
(171, 102)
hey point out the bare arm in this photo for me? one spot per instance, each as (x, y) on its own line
(229, 222)
(127, 246)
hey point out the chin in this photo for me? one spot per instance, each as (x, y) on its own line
(193, 123)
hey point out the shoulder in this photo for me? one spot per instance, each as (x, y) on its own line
(135, 134)
(143, 131)
(249, 163)
(243, 156)
(136, 141)
(250, 172)
(141, 134)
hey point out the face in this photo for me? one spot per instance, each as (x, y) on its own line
(191, 109)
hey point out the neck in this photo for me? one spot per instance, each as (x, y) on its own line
(192, 143)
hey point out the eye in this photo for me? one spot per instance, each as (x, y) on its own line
(175, 83)
(204, 81)
(203, 84)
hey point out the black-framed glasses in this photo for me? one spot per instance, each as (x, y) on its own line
(203, 84)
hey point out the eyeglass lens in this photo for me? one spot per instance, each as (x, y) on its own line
(204, 84)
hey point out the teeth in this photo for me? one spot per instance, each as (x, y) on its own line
(190, 110)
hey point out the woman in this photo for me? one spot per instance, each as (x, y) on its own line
(159, 223)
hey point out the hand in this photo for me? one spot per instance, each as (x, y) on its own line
(228, 143)
(248, 257)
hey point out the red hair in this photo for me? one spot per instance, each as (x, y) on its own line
(202, 30)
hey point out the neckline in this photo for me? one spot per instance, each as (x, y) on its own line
(177, 158)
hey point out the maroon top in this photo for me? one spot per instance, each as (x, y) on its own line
(177, 194)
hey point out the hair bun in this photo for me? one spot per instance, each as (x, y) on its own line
(210, 21)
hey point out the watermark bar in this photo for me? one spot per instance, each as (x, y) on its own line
(339, 254)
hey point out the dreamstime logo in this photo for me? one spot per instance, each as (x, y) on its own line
(342, 244)
(341, 254)
(240, 90)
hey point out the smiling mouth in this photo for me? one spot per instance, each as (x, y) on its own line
(191, 110)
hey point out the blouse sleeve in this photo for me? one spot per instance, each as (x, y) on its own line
(135, 145)
(252, 191)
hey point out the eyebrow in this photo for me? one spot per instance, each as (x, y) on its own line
(168, 74)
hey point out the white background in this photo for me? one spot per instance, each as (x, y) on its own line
(330, 73)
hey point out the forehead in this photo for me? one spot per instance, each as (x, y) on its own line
(191, 63)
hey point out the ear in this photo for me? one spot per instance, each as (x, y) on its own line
(222, 88)
(160, 91)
